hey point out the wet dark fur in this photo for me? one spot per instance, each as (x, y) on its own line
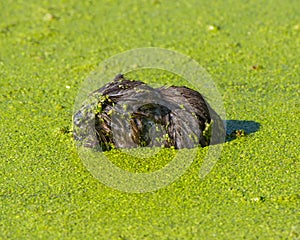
(168, 116)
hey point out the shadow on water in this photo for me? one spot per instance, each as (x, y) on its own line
(247, 126)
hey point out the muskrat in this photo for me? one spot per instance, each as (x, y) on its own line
(128, 113)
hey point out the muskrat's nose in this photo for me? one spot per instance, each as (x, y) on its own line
(77, 117)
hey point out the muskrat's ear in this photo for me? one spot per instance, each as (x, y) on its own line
(119, 77)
